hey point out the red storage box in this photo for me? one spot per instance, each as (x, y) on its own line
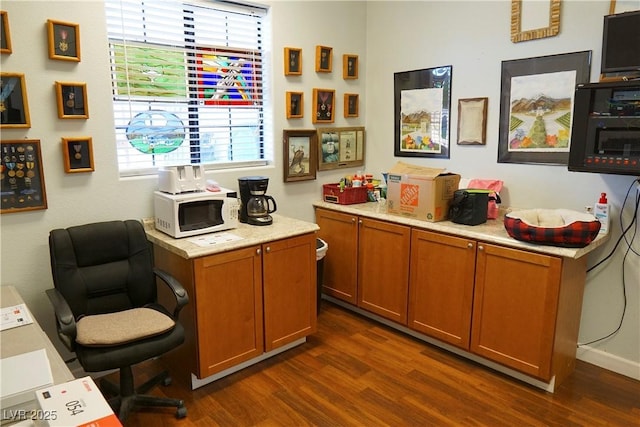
(349, 195)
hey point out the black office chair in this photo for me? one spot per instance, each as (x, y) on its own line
(106, 308)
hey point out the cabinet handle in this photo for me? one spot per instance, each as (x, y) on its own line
(268, 249)
(480, 248)
(470, 245)
(353, 220)
(359, 221)
(258, 251)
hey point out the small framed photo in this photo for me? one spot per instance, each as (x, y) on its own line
(292, 61)
(324, 102)
(340, 147)
(72, 100)
(64, 40)
(472, 121)
(22, 176)
(324, 59)
(295, 105)
(349, 67)
(300, 149)
(5, 34)
(14, 111)
(351, 104)
(78, 154)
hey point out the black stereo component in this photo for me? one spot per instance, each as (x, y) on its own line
(605, 135)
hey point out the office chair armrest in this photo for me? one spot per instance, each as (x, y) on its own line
(65, 322)
(182, 298)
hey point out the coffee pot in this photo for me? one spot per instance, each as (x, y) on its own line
(255, 204)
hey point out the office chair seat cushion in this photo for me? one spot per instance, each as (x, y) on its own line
(104, 330)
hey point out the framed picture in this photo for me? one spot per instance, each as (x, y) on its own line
(5, 34)
(292, 61)
(536, 106)
(324, 59)
(324, 102)
(341, 147)
(295, 105)
(472, 121)
(300, 148)
(14, 106)
(22, 177)
(349, 67)
(422, 110)
(72, 100)
(548, 12)
(77, 154)
(64, 40)
(351, 104)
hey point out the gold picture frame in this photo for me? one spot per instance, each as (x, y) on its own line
(64, 40)
(299, 151)
(324, 105)
(77, 153)
(341, 147)
(5, 34)
(22, 165)
(472, 121)
(350, 66)
(351, 105)
(324, 59)
(15, 105)
(295, 105)
(72, 100)
(292, 61)
(518, 35)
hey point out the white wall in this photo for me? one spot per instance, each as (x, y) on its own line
(391, 36)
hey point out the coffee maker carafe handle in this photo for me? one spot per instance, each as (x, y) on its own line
(270, 202)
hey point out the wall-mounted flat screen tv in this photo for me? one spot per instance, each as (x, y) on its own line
(621, 43)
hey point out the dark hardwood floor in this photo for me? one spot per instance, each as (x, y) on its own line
(356, 372)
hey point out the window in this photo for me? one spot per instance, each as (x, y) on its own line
(187, 83)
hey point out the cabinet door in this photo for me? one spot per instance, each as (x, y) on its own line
(340, 231)
(515, 307)
(441, 286)
(228, 296)
(383, 268)
(289, 286)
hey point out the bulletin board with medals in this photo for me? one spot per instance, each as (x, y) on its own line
(21, 176)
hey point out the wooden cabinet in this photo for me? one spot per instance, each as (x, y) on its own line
(367, 263)
(441, 286)
(243, 302)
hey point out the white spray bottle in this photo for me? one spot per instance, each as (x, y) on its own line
(601, 211)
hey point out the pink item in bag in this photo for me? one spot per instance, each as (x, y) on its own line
(494, 197)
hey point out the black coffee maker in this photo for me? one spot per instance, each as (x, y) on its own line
(255, 205)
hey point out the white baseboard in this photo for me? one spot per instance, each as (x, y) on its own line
(609, 362)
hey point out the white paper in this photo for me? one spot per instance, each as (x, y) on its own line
(17, 315)
(22, 375)
(214, 239)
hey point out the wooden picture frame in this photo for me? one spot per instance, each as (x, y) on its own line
(295, 105)
(422, 101)
(299, 151)
(72, 100)
(536, 104)
(472, 121)
(15, 105)
(5, 33)
(292, 61)
(64, 40)
(23, 186)
(77, 153)
(350, 66)
(351, 104)
(341, 147)
(324, 59)
(518, 35)
(324, 103)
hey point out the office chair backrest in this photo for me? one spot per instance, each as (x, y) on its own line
(103, 267)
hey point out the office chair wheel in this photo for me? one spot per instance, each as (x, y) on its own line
(166, 381)
(181, 412)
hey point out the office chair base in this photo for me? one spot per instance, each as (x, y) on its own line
(126, 398)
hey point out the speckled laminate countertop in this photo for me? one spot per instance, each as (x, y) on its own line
(492, 231)
(282, 228)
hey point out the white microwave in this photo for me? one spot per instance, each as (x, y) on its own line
(201, 212)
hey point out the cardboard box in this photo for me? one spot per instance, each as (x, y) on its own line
(420, 192)
(76, 403)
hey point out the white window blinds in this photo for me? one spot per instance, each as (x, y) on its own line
(187, 83)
